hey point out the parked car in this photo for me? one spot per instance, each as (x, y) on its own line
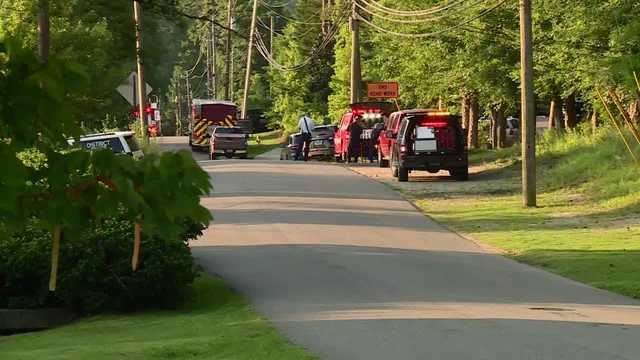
(291, 150)
(432, 141)
(120, 142)
(366, 115)
(322, 142)
(387, 138)
(228, 141)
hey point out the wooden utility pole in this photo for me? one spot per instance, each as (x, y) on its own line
(356, 73)
(228, 54)
(44, 42)
(247, 77)
(528, 110)
(141, 85)
(271, 37)
(214, 56)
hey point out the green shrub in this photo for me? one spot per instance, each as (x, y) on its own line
(95, 270)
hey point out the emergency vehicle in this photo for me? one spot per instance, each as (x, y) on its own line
(207, 115)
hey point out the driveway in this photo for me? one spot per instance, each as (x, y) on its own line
(345, 267)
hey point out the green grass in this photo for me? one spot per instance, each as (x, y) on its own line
(268, 141)
(587, 225)
(216, 324)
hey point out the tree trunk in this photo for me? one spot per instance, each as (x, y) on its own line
(634, 110)
(556, 113)
(43, 30)
(501, 131)
(571, 118)
(552, 113)
(594, 122)
(494, 109)
(473, 142)
(464, 110)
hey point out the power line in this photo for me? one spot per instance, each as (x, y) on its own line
(419, 21)
(164, 8)
(414, 13)
(290, 19)
(262, 48)
(434, 33)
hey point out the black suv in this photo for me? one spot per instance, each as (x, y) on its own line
(431, 142)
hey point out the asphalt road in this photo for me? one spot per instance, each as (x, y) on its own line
(346, 268)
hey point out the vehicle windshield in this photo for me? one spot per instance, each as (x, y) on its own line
(226, 130)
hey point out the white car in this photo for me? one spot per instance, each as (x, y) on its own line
(120, 142)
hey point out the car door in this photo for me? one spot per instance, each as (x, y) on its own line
(341, 134)
(383, 140)
(393, 129)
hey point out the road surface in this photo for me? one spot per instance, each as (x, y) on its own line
(346, 268)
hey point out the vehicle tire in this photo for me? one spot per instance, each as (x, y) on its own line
(382, 162)
(228, 156)
(394, 167)
(403, 174)
(461, 174)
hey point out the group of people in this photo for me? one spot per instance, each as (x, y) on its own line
(356, 148)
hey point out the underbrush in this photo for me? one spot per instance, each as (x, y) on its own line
(95, 270)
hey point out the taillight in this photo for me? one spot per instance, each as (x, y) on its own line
(403, 149)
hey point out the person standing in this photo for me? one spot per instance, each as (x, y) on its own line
(305, 124)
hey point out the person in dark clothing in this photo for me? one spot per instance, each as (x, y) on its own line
(355, 140)
(375, 135)
(305, 124)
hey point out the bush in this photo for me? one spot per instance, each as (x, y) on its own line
(95, 270)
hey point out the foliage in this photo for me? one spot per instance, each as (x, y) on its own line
(95, 268)
(297, 92)
(44, 178)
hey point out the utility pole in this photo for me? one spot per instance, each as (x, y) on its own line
(141, 85)
(214, 57)
(228, 54)
(207, 67)
(232, 76)
(44, 43)
(271, 37)
(528, 111)
(355, 55)
(247, 77)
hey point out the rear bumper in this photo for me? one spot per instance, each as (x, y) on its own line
(435, 162)
(234, 151)
(322, 152)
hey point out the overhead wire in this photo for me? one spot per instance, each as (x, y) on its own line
(434, 33)
(423, 20)
(290, 19)
(406, 13)
(327, 39)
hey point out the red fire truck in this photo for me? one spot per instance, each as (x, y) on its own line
(206, 115)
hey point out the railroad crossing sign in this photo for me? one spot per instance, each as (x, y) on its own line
(128, 89)
(382, 90)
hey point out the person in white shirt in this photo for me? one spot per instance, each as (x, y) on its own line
(305, 124)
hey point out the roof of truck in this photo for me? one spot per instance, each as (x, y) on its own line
(212, 102)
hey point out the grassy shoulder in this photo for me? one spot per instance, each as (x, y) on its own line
(268, 141)
(216, 323)
(587, 225)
